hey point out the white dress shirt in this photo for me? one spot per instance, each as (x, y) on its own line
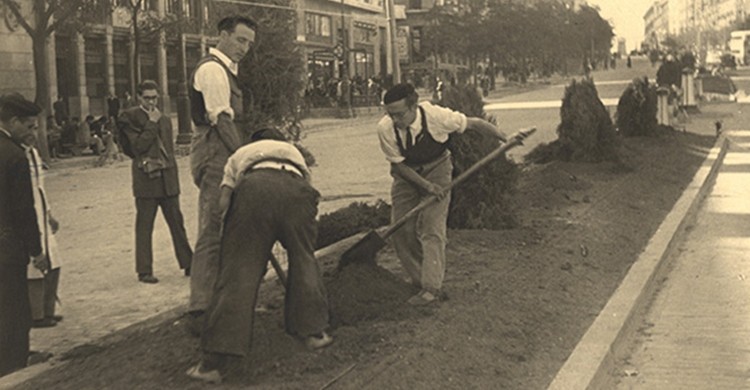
(212, 81)
(258, 151)
(441, 122)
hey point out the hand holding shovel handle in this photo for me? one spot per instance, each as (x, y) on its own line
(365, 249)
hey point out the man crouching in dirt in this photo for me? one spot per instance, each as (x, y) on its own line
(267, 197)
(414, 138)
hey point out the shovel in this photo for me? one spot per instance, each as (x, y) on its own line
(364, 250)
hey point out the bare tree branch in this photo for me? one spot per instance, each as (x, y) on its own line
(16, 11)
(64, 15)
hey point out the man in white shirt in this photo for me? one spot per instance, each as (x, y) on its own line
(272, 200)
(414, 139)
(216, 102)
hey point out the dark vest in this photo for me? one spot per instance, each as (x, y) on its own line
(425, 148)
(198, 105)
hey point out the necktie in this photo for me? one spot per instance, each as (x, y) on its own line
(409, 141)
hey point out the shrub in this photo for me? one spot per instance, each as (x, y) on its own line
(350, 220)
(636, 110)
(481, 201)
(586, 132)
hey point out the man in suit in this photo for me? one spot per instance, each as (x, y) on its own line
(19, 231)
(155, 180)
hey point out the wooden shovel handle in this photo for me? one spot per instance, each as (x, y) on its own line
(515, 140)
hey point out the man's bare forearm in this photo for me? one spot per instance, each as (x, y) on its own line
(228, 132)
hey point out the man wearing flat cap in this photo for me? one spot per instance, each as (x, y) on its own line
(413, 137)
(19, 230)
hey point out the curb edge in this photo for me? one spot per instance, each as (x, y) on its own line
(591, 364)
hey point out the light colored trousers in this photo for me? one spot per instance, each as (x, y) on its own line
(420, 242)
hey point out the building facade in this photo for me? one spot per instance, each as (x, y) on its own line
(16, 61)
(676, 17)
(338, 38)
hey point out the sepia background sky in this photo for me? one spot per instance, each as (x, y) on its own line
(627, 18)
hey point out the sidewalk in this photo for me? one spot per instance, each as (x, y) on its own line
(696, 334)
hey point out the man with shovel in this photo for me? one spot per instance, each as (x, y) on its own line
(413, 137)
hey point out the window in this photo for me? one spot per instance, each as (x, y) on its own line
(317, 25)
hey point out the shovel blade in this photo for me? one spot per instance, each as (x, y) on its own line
(363, 251)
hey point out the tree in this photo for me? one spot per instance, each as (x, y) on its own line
(144, 25)
(47, 16)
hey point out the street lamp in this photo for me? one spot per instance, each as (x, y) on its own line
(184, 122)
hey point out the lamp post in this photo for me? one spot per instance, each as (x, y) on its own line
(184, 122)
(345, 94)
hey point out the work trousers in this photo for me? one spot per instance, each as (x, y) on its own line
(268, 205)
(15, 317)
(420, 242)
(43, 294)
(208, 157)
(144, 227)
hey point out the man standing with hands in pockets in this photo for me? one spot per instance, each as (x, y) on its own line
(216, 102)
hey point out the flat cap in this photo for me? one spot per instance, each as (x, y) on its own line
(16, 105)
(398, 92)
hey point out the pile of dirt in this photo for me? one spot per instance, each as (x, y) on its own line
(363, 291)
(520, 299)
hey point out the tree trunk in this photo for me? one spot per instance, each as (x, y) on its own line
(42, 98)
(135, 64)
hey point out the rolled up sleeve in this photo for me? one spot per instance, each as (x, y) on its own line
(212, 81)
(388, 142)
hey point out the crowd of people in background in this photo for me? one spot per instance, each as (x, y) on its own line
(69, 136)
(323, 91)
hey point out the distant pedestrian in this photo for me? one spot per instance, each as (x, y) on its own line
(155, 180)
(113, 107)
(216, 102)
(43, 281)
(272, 200)
(629, 63)
(413, 137)
(60, 109)
(111, 151)
(20, 238)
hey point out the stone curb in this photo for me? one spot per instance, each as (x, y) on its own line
(592, 363)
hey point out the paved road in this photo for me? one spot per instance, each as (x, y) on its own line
(697, 333)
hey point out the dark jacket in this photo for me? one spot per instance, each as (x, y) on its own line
(19, 231)
(669, 73)
(143, 135)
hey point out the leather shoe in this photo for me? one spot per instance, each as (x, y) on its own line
(318, 341)
(209, 376)
(187, 271)
(147, 278)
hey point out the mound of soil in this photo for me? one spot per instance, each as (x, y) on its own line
(520, 299)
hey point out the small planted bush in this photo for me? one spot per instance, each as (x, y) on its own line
(637, 109)
(586, 132)
(481, 201)
(350, 220)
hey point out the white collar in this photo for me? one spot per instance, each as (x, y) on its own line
(223, 58)
(6, 132)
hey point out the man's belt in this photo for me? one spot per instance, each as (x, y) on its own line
(282, 166)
